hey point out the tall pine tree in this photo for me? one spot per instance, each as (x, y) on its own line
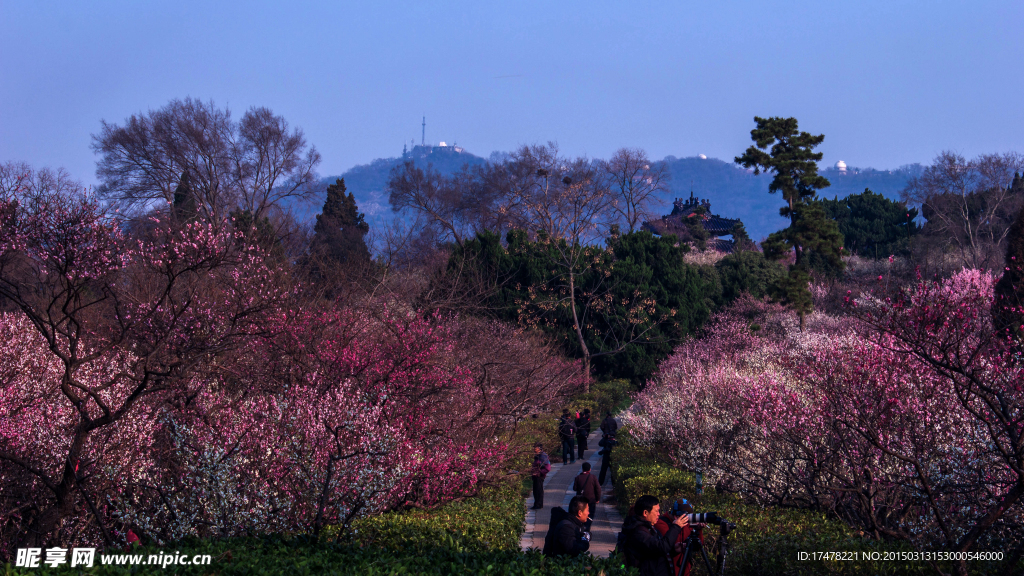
(338, 249)
(1008, 305)
(184, 206)
(813, 238)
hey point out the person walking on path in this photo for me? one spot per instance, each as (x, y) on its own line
(609, 425)
(566, 433)
(586, 485)
(644, 547)
(539, 471)
(582, 431)
(558, 493)
(570, 537)
(606, 444)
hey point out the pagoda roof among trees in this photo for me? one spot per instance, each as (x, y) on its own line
(684, 213)
(713, 223)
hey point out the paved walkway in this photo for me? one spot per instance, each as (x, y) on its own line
(558, 491)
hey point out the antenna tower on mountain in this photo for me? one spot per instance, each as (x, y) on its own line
(423, 137)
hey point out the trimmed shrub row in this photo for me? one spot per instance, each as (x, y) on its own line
(476, 536)
(767, 540)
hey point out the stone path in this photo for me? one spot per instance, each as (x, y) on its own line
(558, 491)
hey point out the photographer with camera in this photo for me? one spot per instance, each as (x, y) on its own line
(569, 537)
(679, 508)
(642, 545)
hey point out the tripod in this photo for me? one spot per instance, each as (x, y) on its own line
(692, 545)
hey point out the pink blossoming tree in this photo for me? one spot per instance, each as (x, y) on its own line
(905, 418)
(173, 385)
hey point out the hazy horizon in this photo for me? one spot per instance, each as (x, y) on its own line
(889, 84)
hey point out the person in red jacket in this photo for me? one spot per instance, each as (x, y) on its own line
(664, 523)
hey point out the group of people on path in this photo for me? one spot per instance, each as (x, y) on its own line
(573, 434)
(649, 541)
(577, 429)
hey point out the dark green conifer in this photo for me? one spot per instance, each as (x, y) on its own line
(338, 248)
(260, 232)
(872, 225)
(813, 238)
(748, 271)
(741, 241)
(184, 205)
(1008, 305)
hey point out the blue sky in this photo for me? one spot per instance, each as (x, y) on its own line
(888, 83)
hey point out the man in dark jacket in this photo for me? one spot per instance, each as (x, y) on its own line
(586, 485)
(609, 425)
(645, 548)
(582, 431)
(606, 444)
(539, 471)
(569, 537)
(566, 433)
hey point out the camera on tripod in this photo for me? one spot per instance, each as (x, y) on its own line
(712, 518)
(693, 545)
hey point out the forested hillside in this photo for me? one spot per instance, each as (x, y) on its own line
(367, 182)
(733, 191)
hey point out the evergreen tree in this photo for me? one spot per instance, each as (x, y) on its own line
(694, 224)
(813, 238)
(338, 248)
(750, 272)
(259, 231)
(1008, 305)
(636, 299)
(816, 236)
(872, 225)
(184, 207)
(650, 282)
(741, 241)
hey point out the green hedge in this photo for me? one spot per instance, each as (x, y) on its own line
(767, 539)
(493, 521)
(476, 536)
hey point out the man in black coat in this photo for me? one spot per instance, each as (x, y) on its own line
(567, 433)
(606, 444)
(645, 548)
(569, 537)
(609, 425)
(582, 431)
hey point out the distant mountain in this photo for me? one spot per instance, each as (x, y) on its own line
(367, 182)
(737, 193)
(733, 191)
